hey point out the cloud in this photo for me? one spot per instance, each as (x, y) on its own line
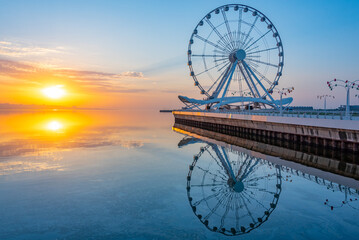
(102, 81)
(133, 74)
(16, 49)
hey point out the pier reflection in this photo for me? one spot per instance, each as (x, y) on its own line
(233, 190)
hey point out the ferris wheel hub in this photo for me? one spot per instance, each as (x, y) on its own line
(241, 54)
(237, 55)
(238, 187)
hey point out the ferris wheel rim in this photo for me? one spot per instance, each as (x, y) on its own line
(273, 29)
(232, 232)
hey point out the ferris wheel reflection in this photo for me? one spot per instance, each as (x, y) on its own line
(231, 192)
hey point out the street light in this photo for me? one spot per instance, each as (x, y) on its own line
(347, 85)
(325, 99)
(284, 91)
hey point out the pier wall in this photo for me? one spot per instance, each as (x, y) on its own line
(329, 133)
(294, 159)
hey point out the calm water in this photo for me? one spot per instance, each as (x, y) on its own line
(129, 175)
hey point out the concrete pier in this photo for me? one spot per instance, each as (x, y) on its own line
(327, 133)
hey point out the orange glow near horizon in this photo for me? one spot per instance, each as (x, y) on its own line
(56, 87)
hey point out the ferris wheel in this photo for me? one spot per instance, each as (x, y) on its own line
(235, 54)
(231, 192)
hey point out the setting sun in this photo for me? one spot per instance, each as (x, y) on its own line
(54, 92)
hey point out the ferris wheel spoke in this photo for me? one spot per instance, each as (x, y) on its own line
(214, 158)
(250, 30)
(239, 27)
(237, 206)
(207, 198)
(204, 55)
(261, 189)
(209, 42)
(259, 51)
(246, 198)
(220, 52)
(213, 174)
(240, 168)
(224, 66)
(216, 31)
(246, 47)
(228, 29)
(226, 211)
(246, 80)
(255, 56)
(238, 77)
(261, 204)
(221, 59)
(223, 162)
(215, 82)
(208, 185)
(257, 61)
(259, 82)
(251, 81)
(247, 171)
(214, 209)
(259, 178)
(259, 73)
(223, 42)
(245, 205)
(254, 65)
(253, 48)
(209, 69)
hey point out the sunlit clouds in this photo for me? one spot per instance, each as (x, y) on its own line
(28, 72)
(16, 49)
(25, 80)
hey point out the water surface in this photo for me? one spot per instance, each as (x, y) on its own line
(129, 175)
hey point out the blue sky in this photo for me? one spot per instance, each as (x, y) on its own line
(320, 40)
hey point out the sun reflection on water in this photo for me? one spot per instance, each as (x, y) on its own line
(36, 141)
(54, 126)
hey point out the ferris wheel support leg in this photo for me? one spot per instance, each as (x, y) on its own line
(229, 165)
(226, 165)
(250, 78)
(222, 82)
(247, 173)
(229, 79)
(255, 76)
(245, 78)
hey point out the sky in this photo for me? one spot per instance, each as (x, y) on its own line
(132, 54)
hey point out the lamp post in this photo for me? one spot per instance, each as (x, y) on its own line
(246, 94)
(325, 99)
(284, 91)
(347, 85)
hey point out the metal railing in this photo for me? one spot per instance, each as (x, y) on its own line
(318, 114)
